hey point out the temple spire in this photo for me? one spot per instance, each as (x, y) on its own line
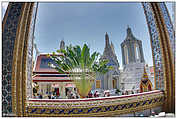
(129, 31)
(145, 75)
(107, 39)
(62, 44)
(112, 46)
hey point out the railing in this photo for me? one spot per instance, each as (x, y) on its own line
(102, 106)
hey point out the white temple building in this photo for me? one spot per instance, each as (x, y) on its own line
(110, 80)
(133, 62)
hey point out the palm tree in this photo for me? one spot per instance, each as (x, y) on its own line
(80, 66)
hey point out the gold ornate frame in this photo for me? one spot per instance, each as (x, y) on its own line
(167, 59)
(20, 57)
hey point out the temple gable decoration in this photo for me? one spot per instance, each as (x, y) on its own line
(145, 84)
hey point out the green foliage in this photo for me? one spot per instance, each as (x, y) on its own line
(75, 57)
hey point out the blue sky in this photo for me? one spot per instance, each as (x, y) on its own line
(80, 23)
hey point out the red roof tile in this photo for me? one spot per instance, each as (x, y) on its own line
(42, 64)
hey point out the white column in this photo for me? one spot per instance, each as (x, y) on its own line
(117, 81)
(62, 90)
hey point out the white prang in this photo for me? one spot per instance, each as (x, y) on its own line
(131, 76)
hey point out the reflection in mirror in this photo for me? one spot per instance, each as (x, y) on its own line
(125, 50)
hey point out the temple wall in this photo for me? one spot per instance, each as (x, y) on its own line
(131, 76)
(125, 105)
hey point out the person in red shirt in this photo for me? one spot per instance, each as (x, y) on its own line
(90, 95)
(108, 94)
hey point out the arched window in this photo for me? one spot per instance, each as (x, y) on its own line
(137, 52)
(126, 54)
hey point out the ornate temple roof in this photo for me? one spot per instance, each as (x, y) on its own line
(44, 73)
(42, 64)
(109, 52)
(145, 75)
(145, 78)
(145, 84)
(130, 36)
(132, 51)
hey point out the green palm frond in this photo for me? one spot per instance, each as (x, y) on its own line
(76, 57)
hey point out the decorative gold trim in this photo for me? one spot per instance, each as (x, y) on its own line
(86, 104)
(161, 43)
(151, 45)
(20, 63)
(130, 100)
(25, 57)
(170, 62)
(109, 113)
(18, 66)
(167, 58)
(14, 62)
(20, 57)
